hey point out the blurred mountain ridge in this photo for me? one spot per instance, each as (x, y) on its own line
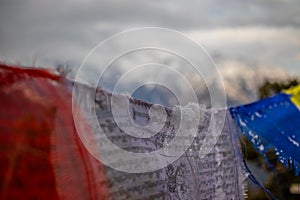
(241, 82)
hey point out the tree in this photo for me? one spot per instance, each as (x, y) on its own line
(269, 89)
(63, 70)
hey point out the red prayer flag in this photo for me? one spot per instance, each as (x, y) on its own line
(41, 155)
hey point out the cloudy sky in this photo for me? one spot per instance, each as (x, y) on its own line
(256, 33)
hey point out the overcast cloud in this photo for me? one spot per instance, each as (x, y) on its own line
(255, 33)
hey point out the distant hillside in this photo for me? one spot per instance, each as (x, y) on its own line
(241, 83)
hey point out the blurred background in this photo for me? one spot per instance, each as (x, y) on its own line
(250, 41)
(255, 45)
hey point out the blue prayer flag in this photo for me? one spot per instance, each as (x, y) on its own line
(272, 122)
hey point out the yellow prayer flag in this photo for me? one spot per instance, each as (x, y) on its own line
(295, 92)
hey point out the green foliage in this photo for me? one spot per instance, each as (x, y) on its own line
(269, 89)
